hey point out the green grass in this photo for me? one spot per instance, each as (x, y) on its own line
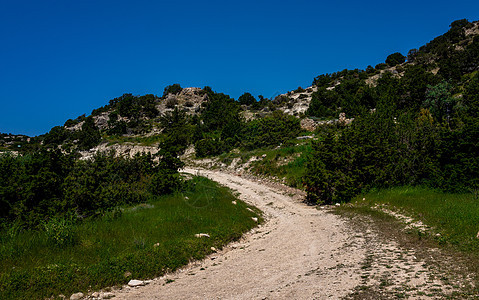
(454, 216)
(288, 161)
(146, 240)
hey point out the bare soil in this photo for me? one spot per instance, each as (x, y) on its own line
(301, 252)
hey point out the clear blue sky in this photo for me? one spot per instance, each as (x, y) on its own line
(60, 59)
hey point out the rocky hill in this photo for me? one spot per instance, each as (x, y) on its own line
(129, 124)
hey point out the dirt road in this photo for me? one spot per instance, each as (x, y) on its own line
(300, 252)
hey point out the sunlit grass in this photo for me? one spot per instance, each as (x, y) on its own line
(455, 217)
(144, 241)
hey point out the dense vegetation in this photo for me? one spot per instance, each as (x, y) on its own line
(137, 242)
(415, 129)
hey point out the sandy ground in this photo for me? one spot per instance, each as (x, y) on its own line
(300, 252)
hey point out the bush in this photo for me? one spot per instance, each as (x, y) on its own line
(395, 59)
(270, 131)
(246, 99)
(208, 147)
(60, 232)
(164, 183)
(172, 89)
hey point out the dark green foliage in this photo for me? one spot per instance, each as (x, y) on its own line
(172, 89)
(381, 66)
(270, 131)
(37, 187)
(247, 99)
(146, 240)
(471, 97)
(440, 101)
(323, 80)
(459, 160)
(395, 59)
(95, 186)
(219, 111)
(324, 103)
(31, 186)
(89, 136)
(208, 147)
(352, 96)
(70, 123)
(415, 83)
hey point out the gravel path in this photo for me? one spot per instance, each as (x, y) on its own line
(300, 252)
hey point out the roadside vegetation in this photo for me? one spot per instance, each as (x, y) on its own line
(130, 242)
(449, 218)
(412, 144)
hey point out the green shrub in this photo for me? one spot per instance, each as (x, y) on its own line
(60, 232)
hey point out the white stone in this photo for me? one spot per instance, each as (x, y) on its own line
(198, 235)
(254, 219)
(135, 282)
(77, 296)
(108, 295)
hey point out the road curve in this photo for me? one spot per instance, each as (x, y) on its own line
(300, 252)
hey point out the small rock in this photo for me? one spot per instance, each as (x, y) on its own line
(477, 236)
(213, 249)
(62, 296)
(249, 209)
(156, 245)
(234, 202)
(254, 219)
(95, 295)
(134, 283)
(108, 295)
(364, 199)
(338, 204)
(77, 296)
(198, 235)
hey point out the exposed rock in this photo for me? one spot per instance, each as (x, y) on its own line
(107, 295)
(188, 100)
(77, 296)
(95, 295)
(101, 121)
(306, 137)
(254, 219)
(308, 124)
(135, 283)
(123, 150)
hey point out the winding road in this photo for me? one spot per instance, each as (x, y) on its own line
(300, 252)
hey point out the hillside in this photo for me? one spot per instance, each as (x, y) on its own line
(397, 141)
(134, 121)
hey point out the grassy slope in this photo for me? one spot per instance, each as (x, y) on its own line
(287, 162)
(107, 250)
(453, 217)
